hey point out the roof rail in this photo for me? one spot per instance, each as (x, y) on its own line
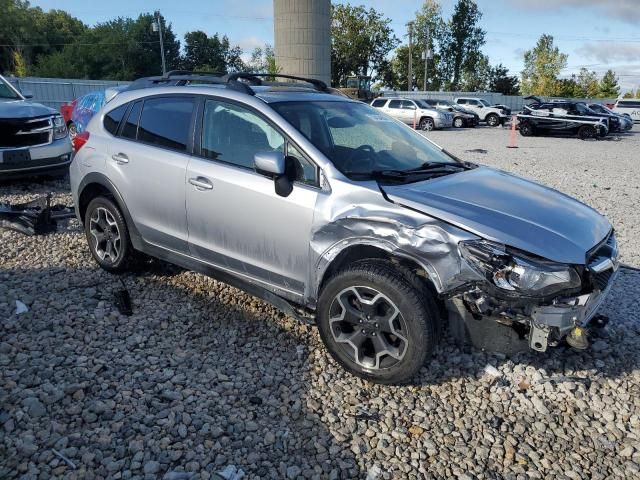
(256, 79)
(185, 77)
(240, 81)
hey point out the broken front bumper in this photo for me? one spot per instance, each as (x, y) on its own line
(492, 324)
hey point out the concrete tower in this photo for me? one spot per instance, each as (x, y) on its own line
(302, 37)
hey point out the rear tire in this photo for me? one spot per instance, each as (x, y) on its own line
(108, 235)
(587, 131)
(376, 323)
(73, 130)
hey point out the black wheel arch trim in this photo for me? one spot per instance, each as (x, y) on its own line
(103, 180)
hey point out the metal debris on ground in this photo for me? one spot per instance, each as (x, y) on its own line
(362, 414)
(21, 307)
(477, 150)
(230, 472)
(123, 300)
(300, 352)
(64, 459)
(33, 218)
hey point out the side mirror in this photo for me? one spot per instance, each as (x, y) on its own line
(269, 162)
(274, 164)
(27, 94)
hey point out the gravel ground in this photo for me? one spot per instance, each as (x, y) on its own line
(203, 376)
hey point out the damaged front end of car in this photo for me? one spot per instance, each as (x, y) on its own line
(520, 301)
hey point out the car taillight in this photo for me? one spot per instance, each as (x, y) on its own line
(79, 140)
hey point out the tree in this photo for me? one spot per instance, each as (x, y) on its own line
(609, 87)
(461, 44)
(429, 29)
(501, 82)
(263, 60)
(542, 65)
(587, 84)
(213, 54)
(19, 65)
(360, 42)
(567, 87)
(629, 94)
(477, 80)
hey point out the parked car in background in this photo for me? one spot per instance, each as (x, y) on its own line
(461, 117)
(78, 112)
(33, 138)
(626, 123)
(340, 215)
(628, 107)
(565, 117)
(410, 111)
(494, 116)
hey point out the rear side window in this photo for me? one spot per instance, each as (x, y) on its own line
(130, 128)
(113, 118)
(379, 102)
(395, 104)
(166, 122)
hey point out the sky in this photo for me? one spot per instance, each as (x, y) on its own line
(596, 34)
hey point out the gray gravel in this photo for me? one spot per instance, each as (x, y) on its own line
(203, 376)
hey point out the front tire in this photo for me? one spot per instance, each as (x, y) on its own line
(108, 235)
(73, 130)
(587, 131)
(458, 122)
(427, 124)
(526, 129)
(493, 120)
(376, 323)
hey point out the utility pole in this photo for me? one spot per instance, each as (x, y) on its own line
(426, 58)
(156, 26)
(410, 74)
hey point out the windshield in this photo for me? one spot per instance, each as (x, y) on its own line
(423, 104)
(484, 102)
(360, 140)
(7, 93)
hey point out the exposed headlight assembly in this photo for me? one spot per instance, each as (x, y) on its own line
(59, 128)
(518, 274)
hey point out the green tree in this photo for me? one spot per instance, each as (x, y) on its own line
(360, 41)
(429, 32)
(213, 54)
(500, 81)
(567, 87)
(542, 65)
(629, 94)
(477, 80)
(461, 44)
(587, 84)
(263, 60)
(609, 87)
(19, 65)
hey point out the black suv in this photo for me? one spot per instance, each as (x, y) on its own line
(565, 117)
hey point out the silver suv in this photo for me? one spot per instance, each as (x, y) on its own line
(414, 112)
(339, 214)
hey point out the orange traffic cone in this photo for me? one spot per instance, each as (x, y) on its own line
(512, 135)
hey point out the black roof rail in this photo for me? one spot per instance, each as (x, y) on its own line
(240, 81)
(256, 79)
(184, 77)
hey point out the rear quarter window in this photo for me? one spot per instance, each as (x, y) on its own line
(113, 118)
(628, 104)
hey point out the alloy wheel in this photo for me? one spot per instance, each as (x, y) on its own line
(458, 123)
(426, 124)
(73, 131)
(104, 230)
(369, 327)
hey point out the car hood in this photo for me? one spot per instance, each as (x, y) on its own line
(507, 209)
(24, 109)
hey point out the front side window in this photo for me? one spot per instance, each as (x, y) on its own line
(359, 139)
(395, 104)
(408, 105)
(233, 134)
(306, 172)
(484, 102)
(166, 122)
(6, 92)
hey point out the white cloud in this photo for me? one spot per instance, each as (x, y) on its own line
(626, 10)
(608, 52)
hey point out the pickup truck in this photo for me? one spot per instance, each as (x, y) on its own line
(33, 138)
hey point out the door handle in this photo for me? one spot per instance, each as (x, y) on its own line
(201, 183)
(120, 158)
